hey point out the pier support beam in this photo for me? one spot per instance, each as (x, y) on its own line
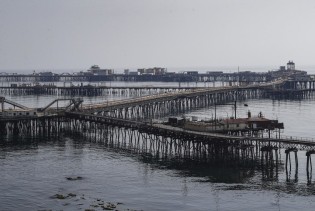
(288, 157)
(309, 165)
(288, 162)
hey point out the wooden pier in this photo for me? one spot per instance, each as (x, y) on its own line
(118, 123)
(89, 90)
(160, 105)
(173, 77)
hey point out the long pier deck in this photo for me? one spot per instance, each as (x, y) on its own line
(158, 128)
(92, 118)
(127, 113)
(177, 96)
(201, 144)
(89, 90)
(176, 77)
(128, 122)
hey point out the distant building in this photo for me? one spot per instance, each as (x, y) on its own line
(78, 73)
(239, 124)
(290, 65)
(191, 72)
(214, 72)
(133, 73)
(45, 74)
(141, 71)
(282, 68)
(152, 71)
(96, 70)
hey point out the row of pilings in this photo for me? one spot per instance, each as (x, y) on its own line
(135, 91)
(182, 105)
(31, 126)
(88, 91)
(177, 105)
(290, 94)
(245, 77)
(149, 143)
(139, 140)
(295, 90)
(289, 90)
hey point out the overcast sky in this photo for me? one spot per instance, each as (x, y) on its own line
(67, 34)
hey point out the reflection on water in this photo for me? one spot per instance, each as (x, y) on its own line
(35, 170)
(206, 172)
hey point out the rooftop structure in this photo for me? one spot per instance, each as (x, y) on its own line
(290, 65)
(258, 123)
(152, 71)
(96, 70)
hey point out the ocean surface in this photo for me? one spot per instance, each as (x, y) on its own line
(33, 172)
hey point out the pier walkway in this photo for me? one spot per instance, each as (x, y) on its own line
(95, 120)
(172, 103)
(167, 130)
(88, 90)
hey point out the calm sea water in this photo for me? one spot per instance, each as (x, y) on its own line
(33, 172)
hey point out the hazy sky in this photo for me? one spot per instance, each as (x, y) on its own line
(63, 34)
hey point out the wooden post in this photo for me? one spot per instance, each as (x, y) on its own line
(286, 160)
(296, 160)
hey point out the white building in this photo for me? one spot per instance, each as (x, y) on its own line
(96, 70)
(290, 65)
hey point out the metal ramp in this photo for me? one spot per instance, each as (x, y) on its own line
(10, 102)
(74, 104)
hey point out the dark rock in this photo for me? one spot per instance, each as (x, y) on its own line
(72, 195)
(59, 196)
(74, 178)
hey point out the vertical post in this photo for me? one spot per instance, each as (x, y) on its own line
(235, 109)
(307, 164)
(277, 161)
(238, 74)
(290, 160)
(2, 103)
(309, 179)
(296, 159)
(286, 161)
(279, 133)
(215, 117)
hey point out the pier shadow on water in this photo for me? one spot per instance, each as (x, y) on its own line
(233, 166)
(236, 170)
